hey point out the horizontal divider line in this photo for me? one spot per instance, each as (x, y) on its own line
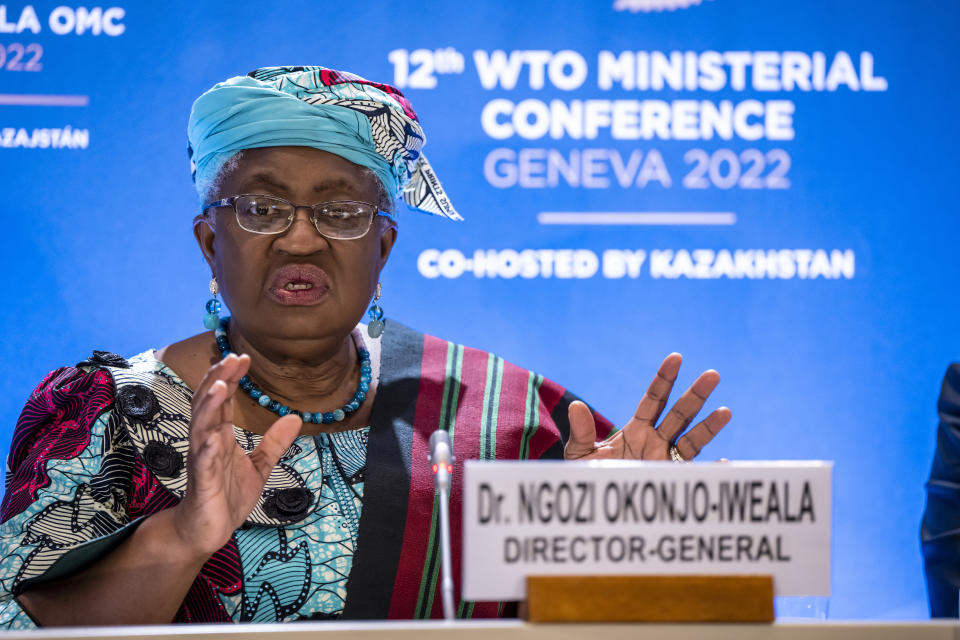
(649, 218)
(42, 100)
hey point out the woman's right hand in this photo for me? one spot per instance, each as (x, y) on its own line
(161, 559)
(223, 482)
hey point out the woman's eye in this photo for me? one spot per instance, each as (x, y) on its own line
(263, 209)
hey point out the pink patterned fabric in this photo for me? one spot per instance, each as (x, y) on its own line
(54, 425)
(222, 573)
(330, 77)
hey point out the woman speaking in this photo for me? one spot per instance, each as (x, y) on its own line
(275, 467)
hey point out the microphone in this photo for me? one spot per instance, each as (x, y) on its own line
(441, 457)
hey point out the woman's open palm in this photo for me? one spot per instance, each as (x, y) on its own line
(223, 482)
(641, 438)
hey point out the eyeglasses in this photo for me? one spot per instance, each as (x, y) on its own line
(340, 220)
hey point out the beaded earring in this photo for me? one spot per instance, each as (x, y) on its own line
(375, 313)
(212, 320)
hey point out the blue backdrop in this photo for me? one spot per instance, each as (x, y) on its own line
(808, 145)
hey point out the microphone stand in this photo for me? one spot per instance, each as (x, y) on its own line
(441, 457)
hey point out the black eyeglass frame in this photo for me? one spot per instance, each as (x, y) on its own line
(314, 217)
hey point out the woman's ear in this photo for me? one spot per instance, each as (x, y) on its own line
(387, 237)
(203, 232)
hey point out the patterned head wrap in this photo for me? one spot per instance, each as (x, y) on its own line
(367, 123)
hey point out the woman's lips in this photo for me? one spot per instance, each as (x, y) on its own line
(299, 284)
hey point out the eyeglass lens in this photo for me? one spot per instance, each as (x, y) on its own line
(340, 220)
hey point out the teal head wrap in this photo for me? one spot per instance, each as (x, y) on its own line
(370, 124)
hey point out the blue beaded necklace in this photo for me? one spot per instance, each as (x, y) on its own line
(317, 417)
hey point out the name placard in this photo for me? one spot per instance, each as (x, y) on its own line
(655, 518)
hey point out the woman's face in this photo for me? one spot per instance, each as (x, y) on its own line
(296, 284)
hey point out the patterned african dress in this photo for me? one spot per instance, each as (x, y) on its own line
(346, 525)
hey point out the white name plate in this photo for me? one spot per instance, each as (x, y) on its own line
(655, 518)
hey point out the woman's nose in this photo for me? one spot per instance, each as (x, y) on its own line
(302, 237)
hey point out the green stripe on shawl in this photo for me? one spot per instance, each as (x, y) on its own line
(448, 414)
(488, 428)
(531, 416)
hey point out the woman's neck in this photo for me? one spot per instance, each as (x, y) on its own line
(311, 376)
(316, 378)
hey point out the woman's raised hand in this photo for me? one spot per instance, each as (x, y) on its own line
(223, 482)
(641, 438)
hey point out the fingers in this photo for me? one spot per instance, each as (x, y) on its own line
(240, 369)
(655, 399)
(275, 443)
(211, 405)
(204, 476)
(206, 455)
(206, 413)
(687, 407)
(583, 431)
(233, 367)
(698, 437)
(232, 381)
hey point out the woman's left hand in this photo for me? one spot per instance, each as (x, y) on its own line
(641, 438)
